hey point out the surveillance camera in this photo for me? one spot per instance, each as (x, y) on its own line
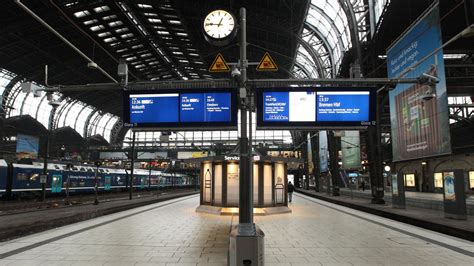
(428, 94)
(235, 73)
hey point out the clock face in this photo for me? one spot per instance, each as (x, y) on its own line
(219, 24)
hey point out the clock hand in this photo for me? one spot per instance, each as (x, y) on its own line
(210, 24)
(220, 22)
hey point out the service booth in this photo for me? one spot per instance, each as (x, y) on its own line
(219, 178)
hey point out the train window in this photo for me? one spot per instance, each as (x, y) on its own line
(34, 177)
(83, 169)
(56, 167)
(90, 170)
(74, 168)
(64, 167)
(21, 177)
(101, 170)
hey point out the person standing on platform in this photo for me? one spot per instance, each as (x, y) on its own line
(291, 189)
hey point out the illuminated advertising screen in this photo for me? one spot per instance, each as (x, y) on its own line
(180, 109)
(315, 107)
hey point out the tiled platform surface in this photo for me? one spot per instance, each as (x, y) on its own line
(424, 200)
(172, 233)
(424, 217)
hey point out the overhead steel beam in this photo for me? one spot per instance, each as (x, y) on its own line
(40, 20)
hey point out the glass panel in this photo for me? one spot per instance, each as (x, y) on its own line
(409, 180)
(438, 180)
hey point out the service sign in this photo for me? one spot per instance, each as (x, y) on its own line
(180, 109)
(338, 107)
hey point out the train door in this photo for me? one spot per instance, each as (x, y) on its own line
(56, 183)
(107, 182)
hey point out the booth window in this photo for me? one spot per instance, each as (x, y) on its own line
(438, 180)
(471, 179)
(409, 180)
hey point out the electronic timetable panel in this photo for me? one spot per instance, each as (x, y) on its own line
(315, 107)
(180, 109)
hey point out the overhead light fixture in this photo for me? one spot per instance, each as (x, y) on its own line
(468, 32)
(92, 65)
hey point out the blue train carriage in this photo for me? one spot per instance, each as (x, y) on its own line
(114, 179)
(3, 177)
(155, 179)
(141, 179)
(26, 179)
(81, 178)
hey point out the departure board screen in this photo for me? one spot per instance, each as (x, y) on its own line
(186, 108)
(315, 107)
(205, 107)
(154, 108)
(342, 106)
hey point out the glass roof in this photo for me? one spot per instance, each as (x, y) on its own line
(150, 37)
(327, 32)
(72, 113)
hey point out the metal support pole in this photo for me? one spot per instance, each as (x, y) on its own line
(376, 151)
(334, 167)
(68, 169)
(374, 146)
(45, 167)
(149, 177)
(46, 152)
(245, 192)
(130, 186)
(96, 184)
(246, 239)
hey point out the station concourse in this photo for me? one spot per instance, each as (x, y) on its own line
(169, 132)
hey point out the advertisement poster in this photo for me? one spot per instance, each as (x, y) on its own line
(26, 147)
(350, 150)
(419, 112)
(449, 193)
(394, 185)
(323, 151)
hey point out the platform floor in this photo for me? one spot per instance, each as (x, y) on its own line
(172, 233)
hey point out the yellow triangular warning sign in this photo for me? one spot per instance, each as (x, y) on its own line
(219, 65)
(267, 63)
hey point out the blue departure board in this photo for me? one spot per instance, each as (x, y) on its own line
(205, 107)
(177, 109)
(340, 106)
(275, 106)
(315, 107)
(154, 108)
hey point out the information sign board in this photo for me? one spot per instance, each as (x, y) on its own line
(180, 109)
(315, 107)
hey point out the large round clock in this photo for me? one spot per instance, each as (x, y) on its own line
(219, 27)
